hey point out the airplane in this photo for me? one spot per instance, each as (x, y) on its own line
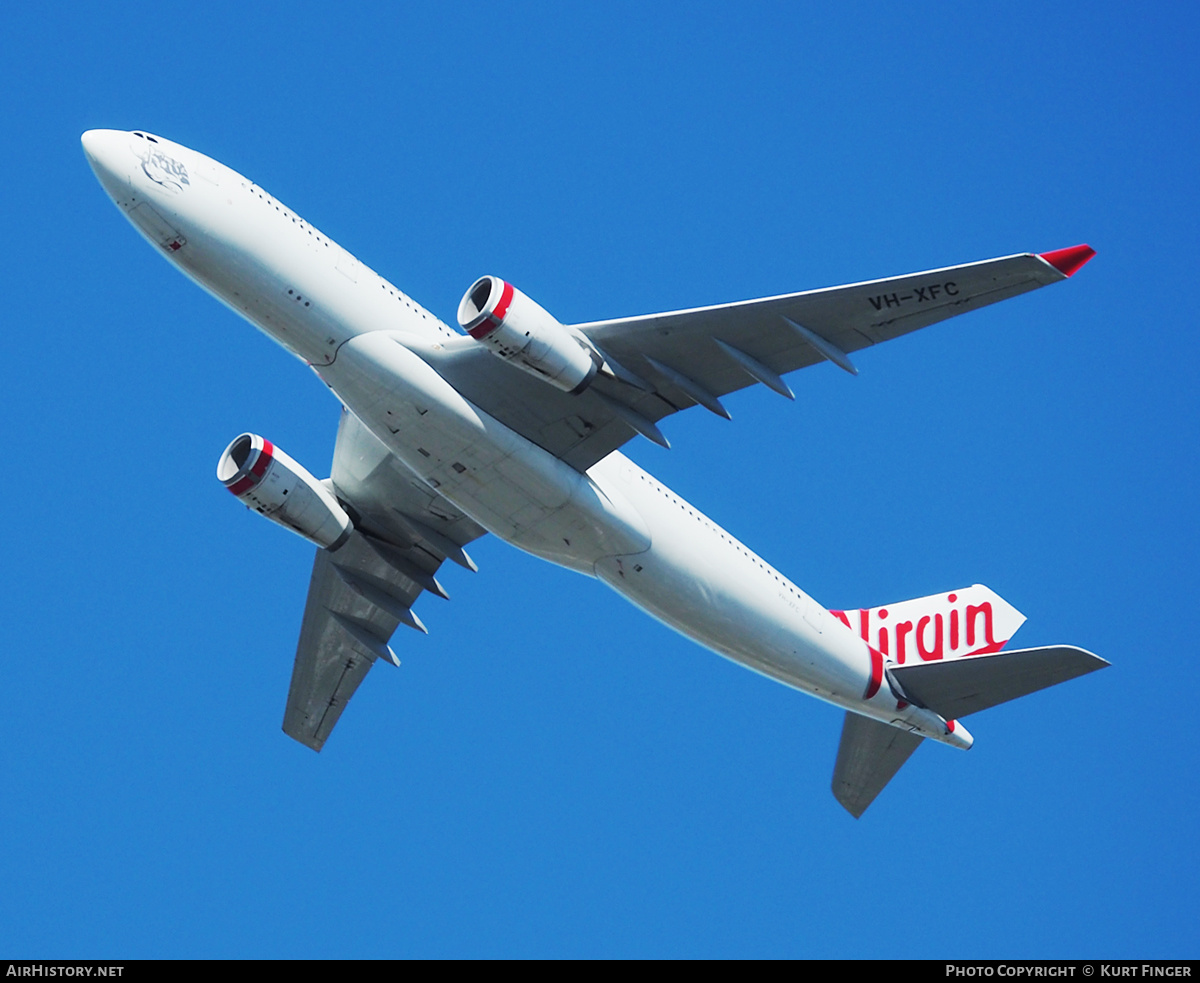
(512, 426)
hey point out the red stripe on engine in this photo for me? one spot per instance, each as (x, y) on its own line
(238, 487)
(264, 459)
(257, 470)
(506, 296)
(496, 318)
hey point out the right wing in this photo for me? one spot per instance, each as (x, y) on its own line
(360, 593)
(668, 362)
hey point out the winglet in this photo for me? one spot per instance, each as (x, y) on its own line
(1068, 261)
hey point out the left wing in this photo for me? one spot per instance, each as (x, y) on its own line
(661, 363)
(361, 592)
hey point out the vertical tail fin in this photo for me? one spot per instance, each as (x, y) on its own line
(970, 621)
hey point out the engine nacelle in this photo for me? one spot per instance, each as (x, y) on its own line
(270, 482)
(523, 333)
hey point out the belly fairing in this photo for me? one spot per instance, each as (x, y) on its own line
(510, 486)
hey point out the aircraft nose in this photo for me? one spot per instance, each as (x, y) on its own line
(90, 141)
(98, 144)
(107, 151)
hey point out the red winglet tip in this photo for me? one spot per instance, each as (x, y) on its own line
(1068, 261)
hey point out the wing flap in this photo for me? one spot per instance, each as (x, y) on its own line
(869, 755)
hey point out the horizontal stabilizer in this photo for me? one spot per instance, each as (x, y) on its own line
(871, 752)
(960, 687)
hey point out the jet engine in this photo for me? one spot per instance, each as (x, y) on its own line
(267, 480)
(524, 334)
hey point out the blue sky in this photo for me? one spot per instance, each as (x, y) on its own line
(551, 772)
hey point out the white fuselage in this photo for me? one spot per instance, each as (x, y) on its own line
(365, 339)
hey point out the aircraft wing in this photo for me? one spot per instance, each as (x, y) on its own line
(668, 362)
(360, 593)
